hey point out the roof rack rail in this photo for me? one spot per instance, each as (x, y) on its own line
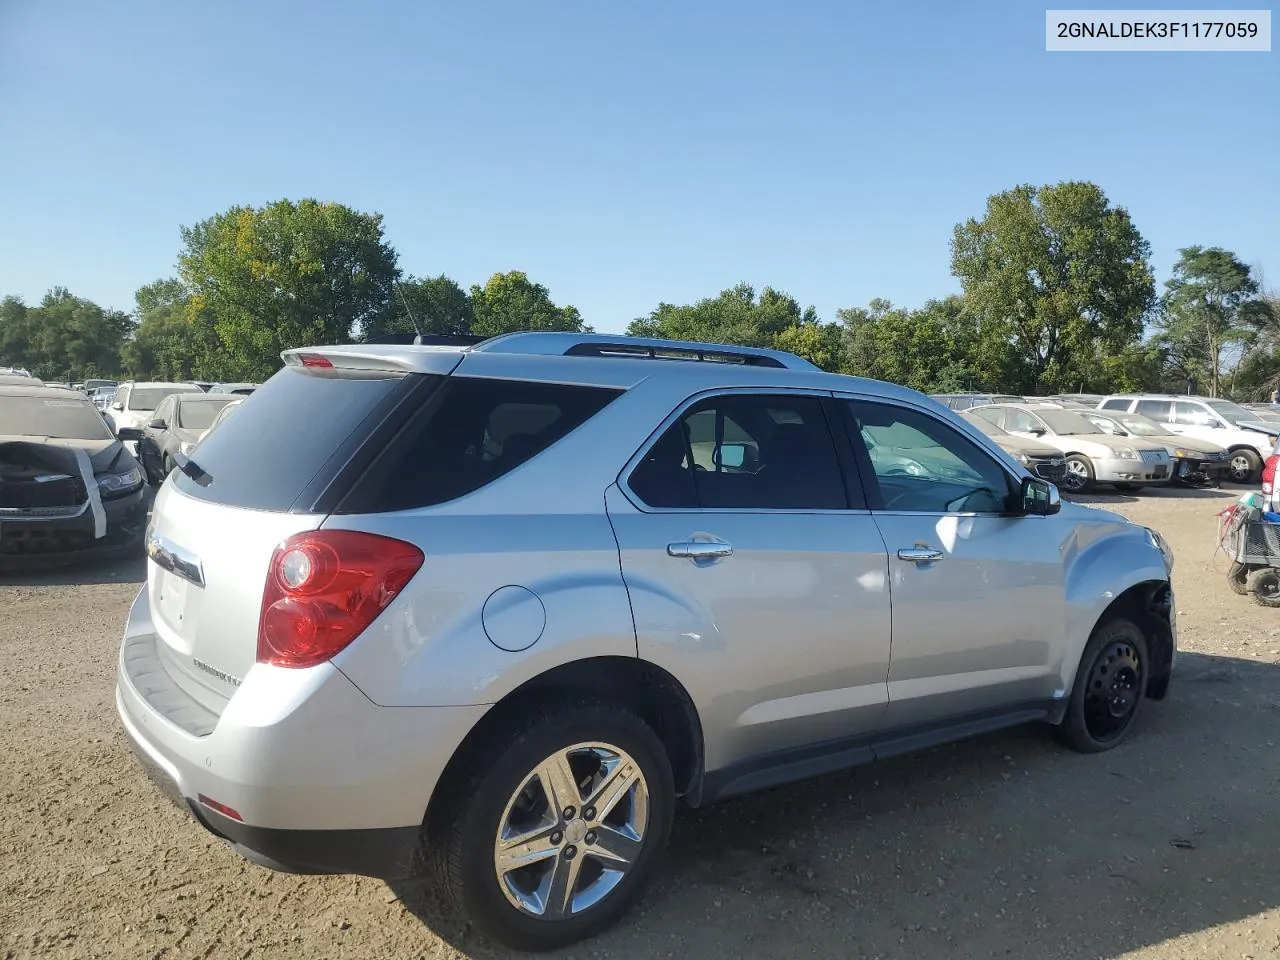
(427, 339)
(564, 344)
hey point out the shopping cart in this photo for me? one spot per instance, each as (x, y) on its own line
(1252, 543)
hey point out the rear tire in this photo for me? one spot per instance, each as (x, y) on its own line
(1110, 685)
(1264, 584)
(501, 793)
(1245, 466)
(1237, 575)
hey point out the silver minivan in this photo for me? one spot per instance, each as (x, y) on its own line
(494, 612)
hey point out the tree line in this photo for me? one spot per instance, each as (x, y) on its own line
(1057, 294)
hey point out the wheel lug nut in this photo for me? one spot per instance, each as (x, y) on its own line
(557, 837)
(590, 837)
(569, 812)
(570, 852)
(589, 813)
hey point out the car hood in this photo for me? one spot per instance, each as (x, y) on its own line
(106, 456)
(1262, 426)
(1099, 442)
(1030, 448)
(1194, 444)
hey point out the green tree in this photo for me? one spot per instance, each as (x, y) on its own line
(64, 337)
(1058, 273)
(1212, 313)
(734, 316)
(936, 348)
(175, 339)
(511, 301)
(438, 304)
(285, 275)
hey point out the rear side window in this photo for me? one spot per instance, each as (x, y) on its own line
(1120, 403)
(1157, 410)
(299, 425)
(469, 434)
(764, 452)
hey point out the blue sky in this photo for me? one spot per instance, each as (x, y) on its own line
(621, 154)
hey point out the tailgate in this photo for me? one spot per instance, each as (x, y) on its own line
(207, 564)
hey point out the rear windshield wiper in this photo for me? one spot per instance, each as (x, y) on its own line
(193, 470)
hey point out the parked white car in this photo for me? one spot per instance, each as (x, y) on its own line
(134, 405)
(1093, 456)
(1249, 438)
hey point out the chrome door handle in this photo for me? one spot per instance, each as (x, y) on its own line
(920, 554)
(700, 549)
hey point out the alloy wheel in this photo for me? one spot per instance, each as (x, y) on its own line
(1114, 691)
(1241, 469)
(572, 831)
(1077, 475)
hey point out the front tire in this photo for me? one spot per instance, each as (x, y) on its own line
(1079, 477)
(558, 827)
(1111, 684)
(1245, 466)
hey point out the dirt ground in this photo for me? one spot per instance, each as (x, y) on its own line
(1007, 846)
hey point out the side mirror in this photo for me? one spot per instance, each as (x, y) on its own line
(157, 425)
(129, 433)
(1039, 497)
(117, 405)
(1036, 431)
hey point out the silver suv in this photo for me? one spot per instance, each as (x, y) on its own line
(494, 611)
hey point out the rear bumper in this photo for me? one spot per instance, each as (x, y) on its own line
(323, 780)
(34, 543)
(386, 853)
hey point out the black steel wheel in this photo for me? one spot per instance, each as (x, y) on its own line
(1264, 584)
(1111, 684)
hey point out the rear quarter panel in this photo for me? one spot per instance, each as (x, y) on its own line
(435, 645)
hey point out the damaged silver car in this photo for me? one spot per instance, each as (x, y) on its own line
(69, 490)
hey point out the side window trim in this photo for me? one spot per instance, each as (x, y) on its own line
(857, 503)
(871, 482)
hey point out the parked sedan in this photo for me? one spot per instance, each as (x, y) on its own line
(1039, 458)
(1193, 459)
(1093, 456)
(69, 490)
(180, 421)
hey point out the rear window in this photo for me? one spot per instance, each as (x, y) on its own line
(298, 425)
(469, 434)
(148, 398)
(199, 414)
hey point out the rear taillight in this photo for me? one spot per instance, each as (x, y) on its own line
(323, 588)
(1269, 473)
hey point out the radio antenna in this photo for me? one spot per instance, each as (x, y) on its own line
(407, 309)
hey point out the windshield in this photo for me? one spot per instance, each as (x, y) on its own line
(148, 398)
(1141, 426)
(68, 419)
(1232, 411)
(1067, 424)
(199, 414)
(987, 427)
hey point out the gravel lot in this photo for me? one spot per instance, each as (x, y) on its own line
(1007, 846)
